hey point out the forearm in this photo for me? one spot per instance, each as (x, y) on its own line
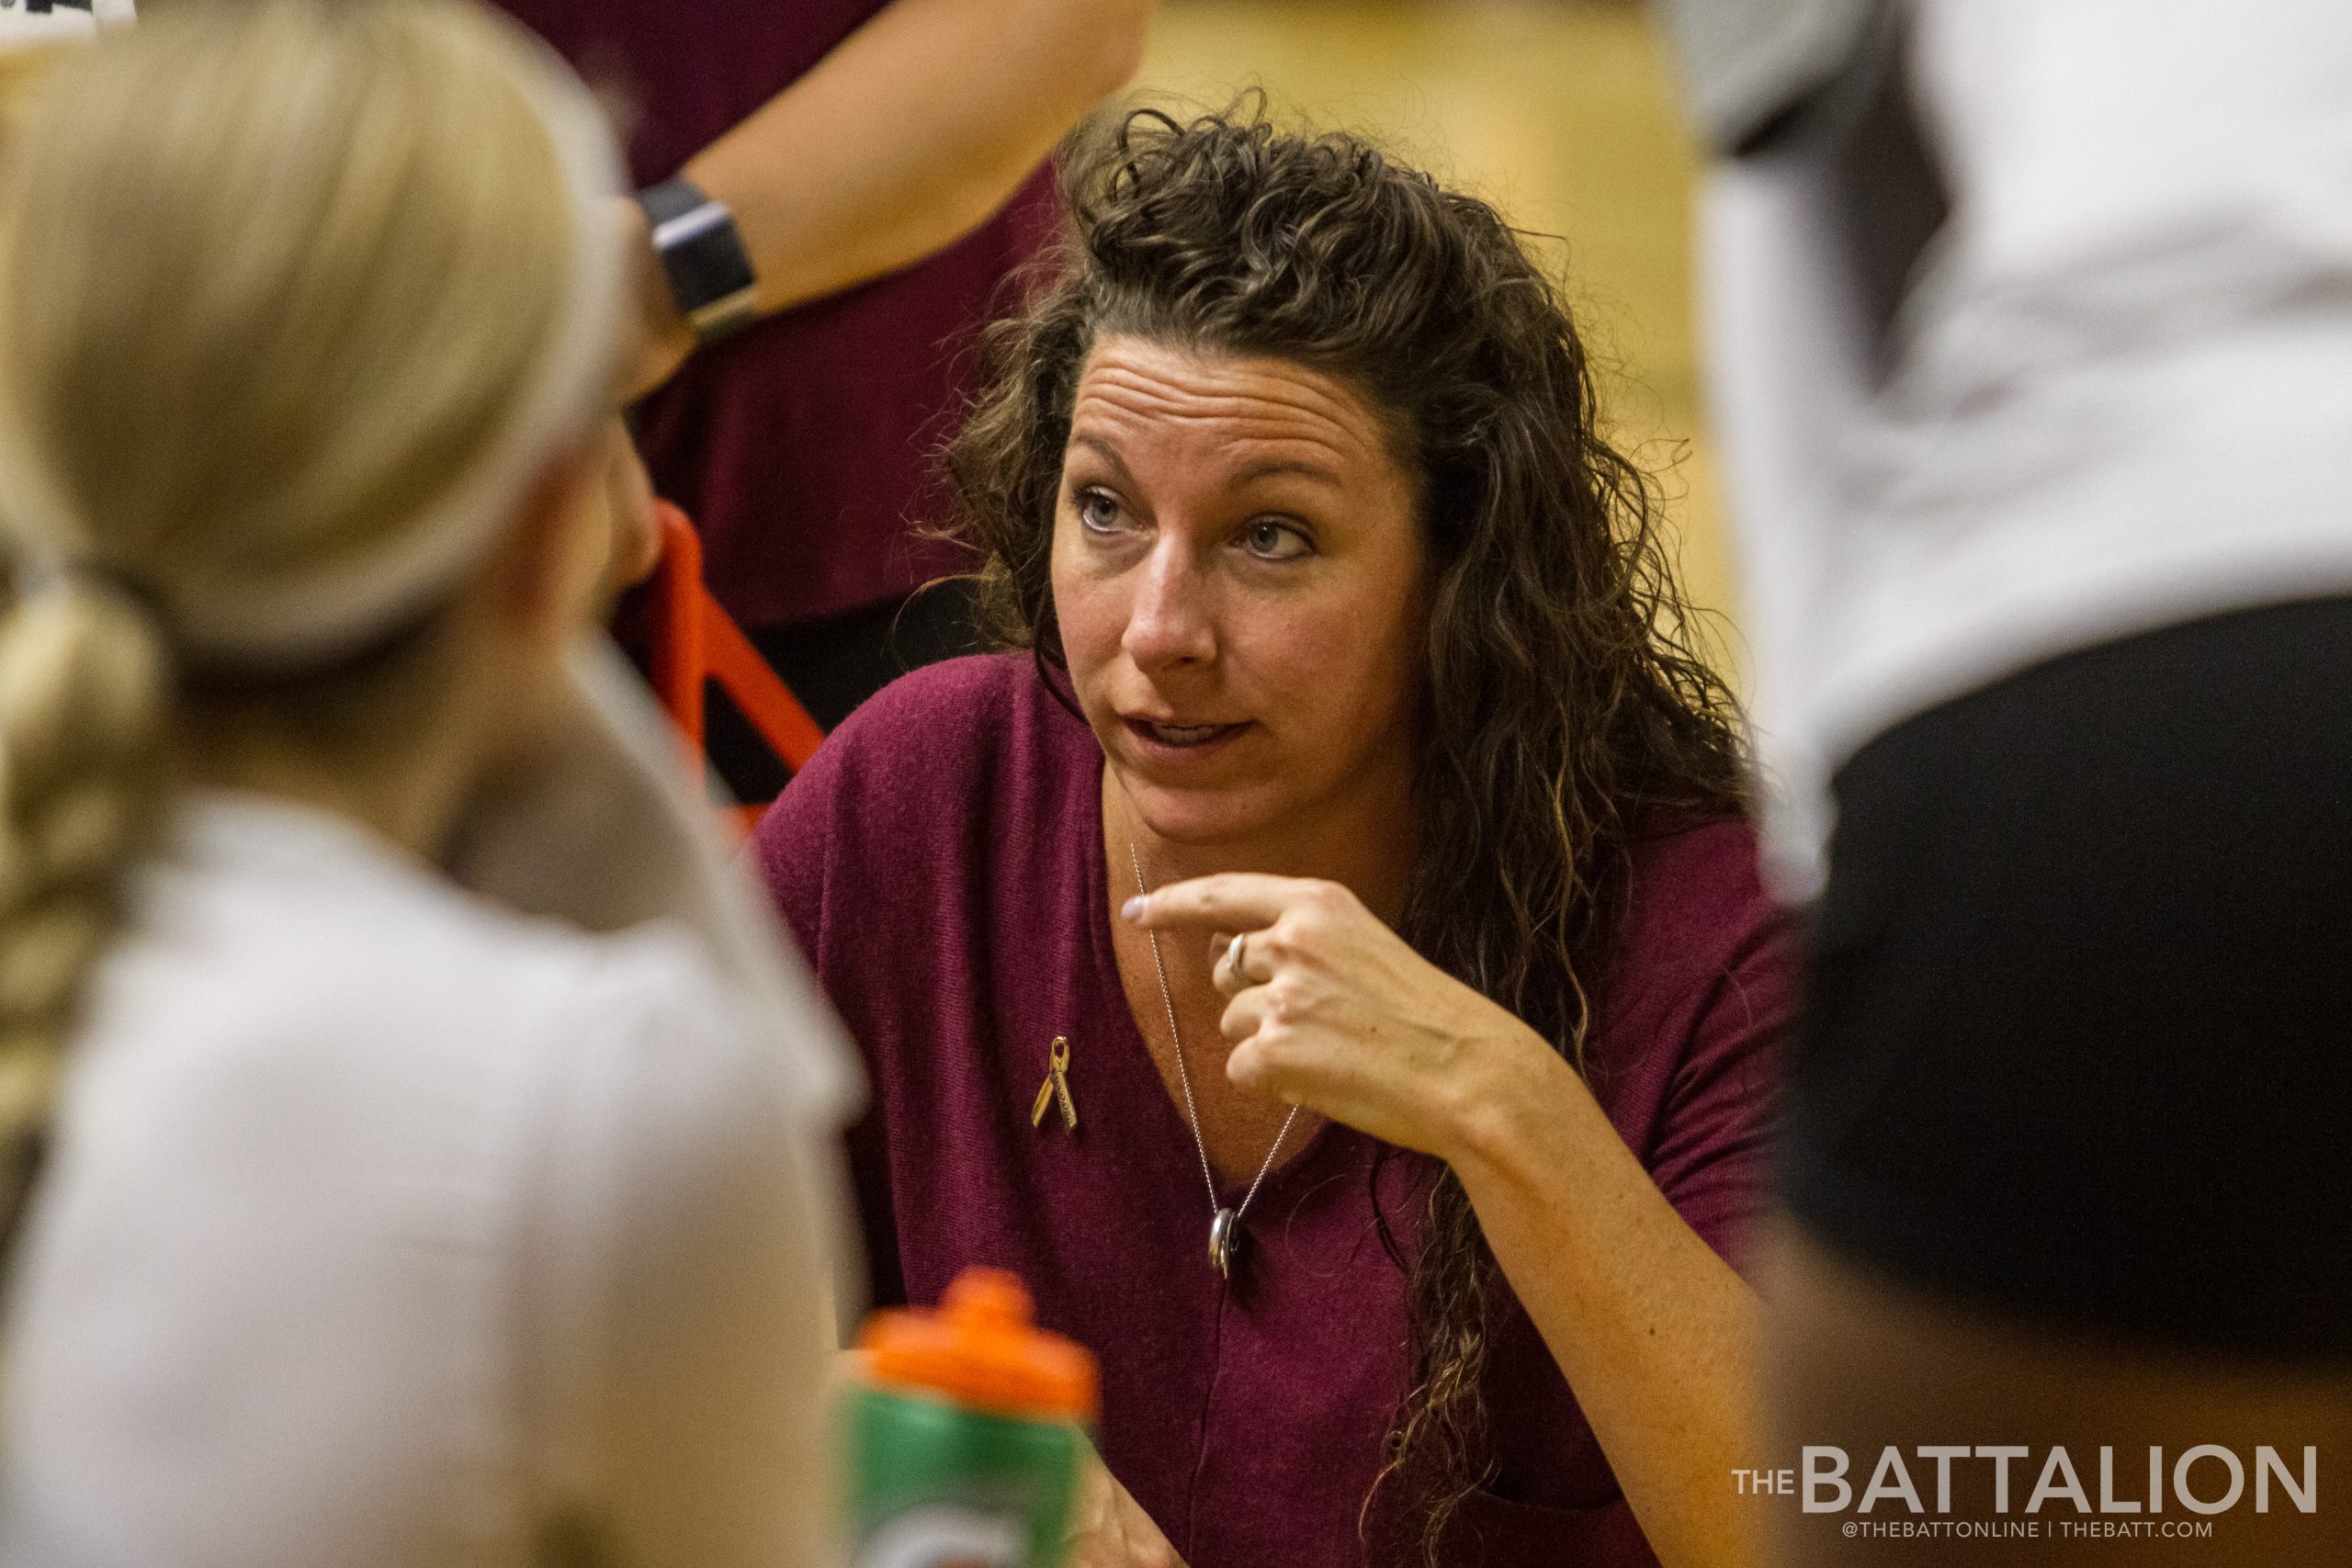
(1653, 1331)
(911, 132)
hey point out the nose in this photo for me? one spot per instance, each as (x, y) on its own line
(1171, 623)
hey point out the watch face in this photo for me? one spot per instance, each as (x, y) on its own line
(710, 273)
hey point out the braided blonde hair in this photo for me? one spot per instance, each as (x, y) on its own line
(296, 296)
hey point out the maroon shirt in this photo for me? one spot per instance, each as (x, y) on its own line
(799, 448)
(941, 861)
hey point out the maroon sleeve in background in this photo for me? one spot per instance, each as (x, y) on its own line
(802, 449)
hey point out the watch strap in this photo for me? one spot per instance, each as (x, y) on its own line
(704, 258)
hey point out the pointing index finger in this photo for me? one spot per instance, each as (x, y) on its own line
(1230, 902)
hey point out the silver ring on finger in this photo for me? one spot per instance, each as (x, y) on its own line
(1234, 954)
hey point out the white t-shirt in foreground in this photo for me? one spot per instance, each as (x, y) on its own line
(24, 22)
(2123, 396)
(385, 1227)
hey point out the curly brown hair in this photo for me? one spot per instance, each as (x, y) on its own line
(1566, 700)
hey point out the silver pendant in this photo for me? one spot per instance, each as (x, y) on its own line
(1225, 1241)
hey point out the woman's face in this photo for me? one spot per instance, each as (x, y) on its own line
(1237, 573)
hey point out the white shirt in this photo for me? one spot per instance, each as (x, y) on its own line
(20, 25)
(2124, 398)
(387, 1227)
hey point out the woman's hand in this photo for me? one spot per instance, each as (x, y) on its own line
(1108, 1529)
(1333, 1010)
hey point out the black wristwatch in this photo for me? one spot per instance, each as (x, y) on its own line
(701, 253)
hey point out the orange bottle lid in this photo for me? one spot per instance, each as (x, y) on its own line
(982, 1347)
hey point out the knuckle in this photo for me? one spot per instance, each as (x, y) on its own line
(1294, 932)
(1282, 999)
(1328, 900)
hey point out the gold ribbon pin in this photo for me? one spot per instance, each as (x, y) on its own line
(1055, 1089)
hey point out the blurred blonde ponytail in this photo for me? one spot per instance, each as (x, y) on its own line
(297, 297)
(82, 705)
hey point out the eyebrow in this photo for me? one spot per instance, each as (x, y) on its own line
(1270, 467)
(1109, 454)
(1267, 468)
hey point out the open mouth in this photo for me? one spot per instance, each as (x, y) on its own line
(1182, 737)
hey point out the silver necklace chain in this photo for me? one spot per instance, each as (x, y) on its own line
(1184, 1076)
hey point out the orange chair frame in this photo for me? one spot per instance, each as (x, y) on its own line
(694, 641)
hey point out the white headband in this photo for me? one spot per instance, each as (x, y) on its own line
(319, 617)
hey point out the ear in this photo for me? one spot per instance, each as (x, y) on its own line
(544, 578)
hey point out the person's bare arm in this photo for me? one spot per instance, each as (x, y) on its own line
(904, 139)
(1654, 1331)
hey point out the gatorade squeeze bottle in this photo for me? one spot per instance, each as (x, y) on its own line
(965, 1432)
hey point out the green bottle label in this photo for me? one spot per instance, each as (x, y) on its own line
(947, 1537)
(933, 1485)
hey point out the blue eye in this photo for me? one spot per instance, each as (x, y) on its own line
(1098, 510)
(1275, 541)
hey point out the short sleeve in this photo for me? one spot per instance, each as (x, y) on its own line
(1697, 1007)
(675, 1314)
(1714, 1148)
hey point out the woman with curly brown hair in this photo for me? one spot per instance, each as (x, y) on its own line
(1356, 750)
